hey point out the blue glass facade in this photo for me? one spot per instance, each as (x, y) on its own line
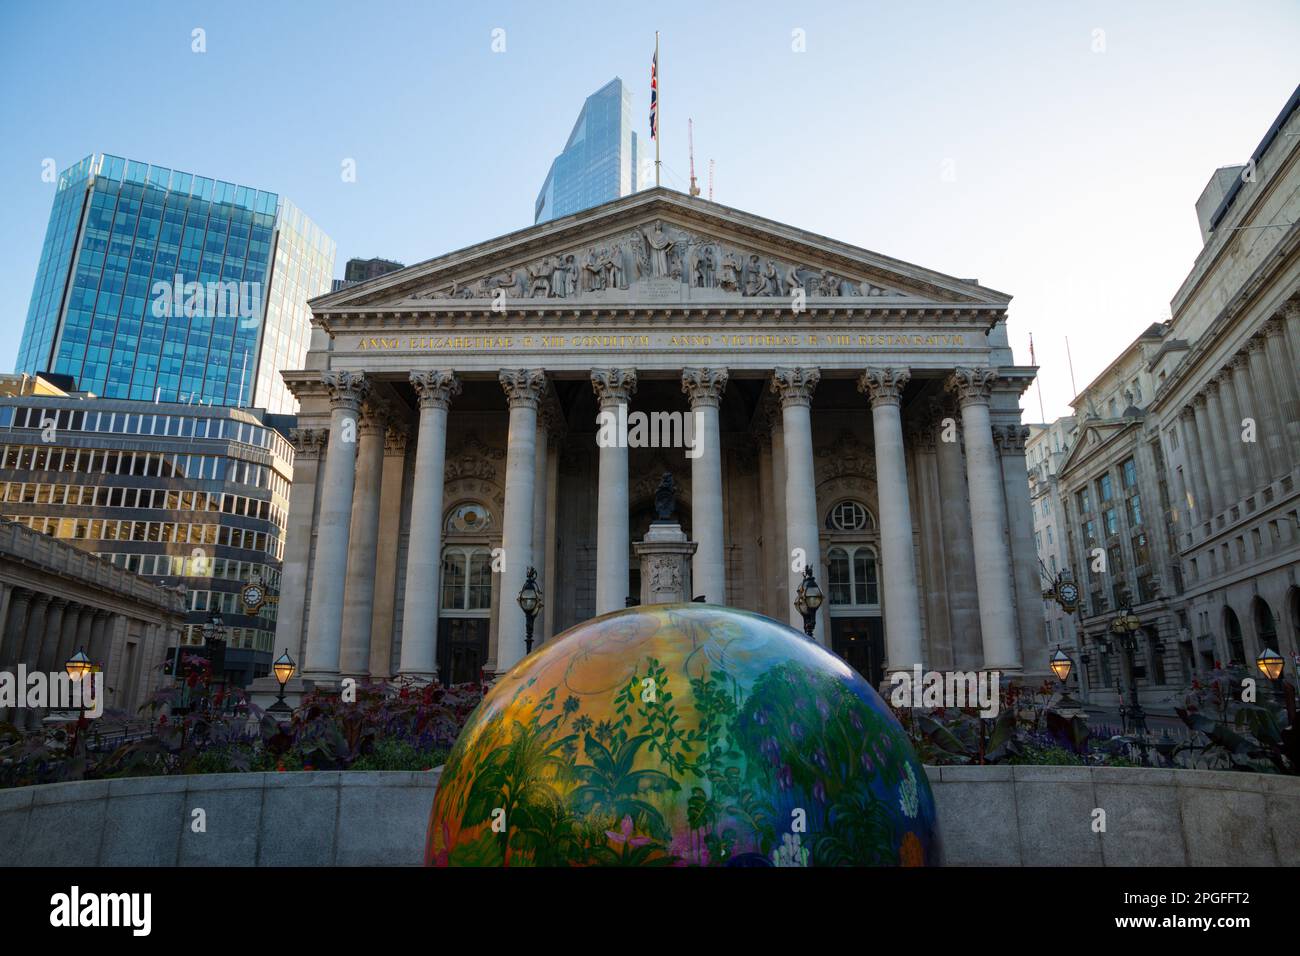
(599, 162)
(155, 284)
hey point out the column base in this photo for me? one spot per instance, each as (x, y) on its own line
(265, 692)
(419, 677)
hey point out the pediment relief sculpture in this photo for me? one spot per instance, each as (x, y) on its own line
(847, 455)
(658, 254)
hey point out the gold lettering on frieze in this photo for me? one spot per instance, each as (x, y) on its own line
(634, 341)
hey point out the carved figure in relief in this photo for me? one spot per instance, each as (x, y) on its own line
(539, 280)
(660, 249)
(793, 281)
(754, 277)
(593, 279)
(665, 577)
(729, 276)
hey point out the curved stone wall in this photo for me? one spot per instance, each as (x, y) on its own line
(1032, 816)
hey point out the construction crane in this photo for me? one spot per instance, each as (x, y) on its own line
(690, 146)
(710, 180)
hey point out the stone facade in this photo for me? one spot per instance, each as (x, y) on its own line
(852, 411)
(1199, 421)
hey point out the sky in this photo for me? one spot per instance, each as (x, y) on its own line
(1054, 151)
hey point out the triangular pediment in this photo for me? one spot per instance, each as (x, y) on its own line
(656, 247)
(1093, 436)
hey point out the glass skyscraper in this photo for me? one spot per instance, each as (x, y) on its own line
(158, 285)
(599, 162)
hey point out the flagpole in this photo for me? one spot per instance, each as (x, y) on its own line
(659, 106)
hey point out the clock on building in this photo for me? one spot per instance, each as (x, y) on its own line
(254, 596)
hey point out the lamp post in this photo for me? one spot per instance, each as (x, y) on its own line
(1125, 627)
(530, 602)
(1062, 665)
(807, 600)
(214, 636)
(1271, 664)
(78, 667)
(284, 669)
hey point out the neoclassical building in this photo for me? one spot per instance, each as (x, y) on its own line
(855, 411)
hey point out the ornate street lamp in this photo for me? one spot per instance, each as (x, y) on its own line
(1062, 665)
(284, 669)
(530, 602)
(1125, 627)
(1271, 663)
(214, 636)
(807, 600)
(78, 665)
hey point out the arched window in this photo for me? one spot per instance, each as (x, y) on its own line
(468, 518)
(466, 579)
(850, 516)
(852, 576)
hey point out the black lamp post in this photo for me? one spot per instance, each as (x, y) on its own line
(79, 668)
(1271, 664)
(284, 669)
(214, 636)
(1125, 628)
(807, 600)
(530, 602)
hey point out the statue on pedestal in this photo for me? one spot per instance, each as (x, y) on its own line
(665, 498)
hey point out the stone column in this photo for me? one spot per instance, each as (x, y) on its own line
(1267, 411)
(779, 581)
(1284, 370)
(1027, 582)
(541, 470)
(550, 613)
(795, 386)
(614, 387)
(1205, 442)
(20, 604)
(424, 541)
(101, 637)
(48, 659)
(1242, 459)
(902, 604)
(762, 437)
(308, 444)
(959, 556)
(932, 574)
(1195, 464)
(705, 386)
(390, 529)
(35, 630)
(1223, 437)
(363, 542)
(85, 624)
(993, 572)
(347, 391)
(524, 388)
(68, 635)
(1236, 390)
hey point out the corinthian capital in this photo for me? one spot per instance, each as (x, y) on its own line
(1010, 437)
(613, 386)
(971, 385)
(347, 389)
(883, 386)
(795, 386)
(308, 442)
(704, 385)
(524, 387)
(436, 387)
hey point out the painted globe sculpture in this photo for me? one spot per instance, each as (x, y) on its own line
(682, 735)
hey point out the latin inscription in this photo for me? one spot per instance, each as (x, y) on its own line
(605, 341)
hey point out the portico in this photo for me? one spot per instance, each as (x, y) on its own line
(847, 405)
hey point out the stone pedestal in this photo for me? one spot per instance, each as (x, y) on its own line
(665, 556)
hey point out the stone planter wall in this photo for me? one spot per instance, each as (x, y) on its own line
(1031, 816)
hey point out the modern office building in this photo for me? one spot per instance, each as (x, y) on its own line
(359, 270)
(180, 494)
(154, 284)
(599, 161)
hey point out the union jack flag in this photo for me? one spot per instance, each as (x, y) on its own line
(654, 96)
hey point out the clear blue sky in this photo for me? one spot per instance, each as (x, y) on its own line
(1075, 171)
